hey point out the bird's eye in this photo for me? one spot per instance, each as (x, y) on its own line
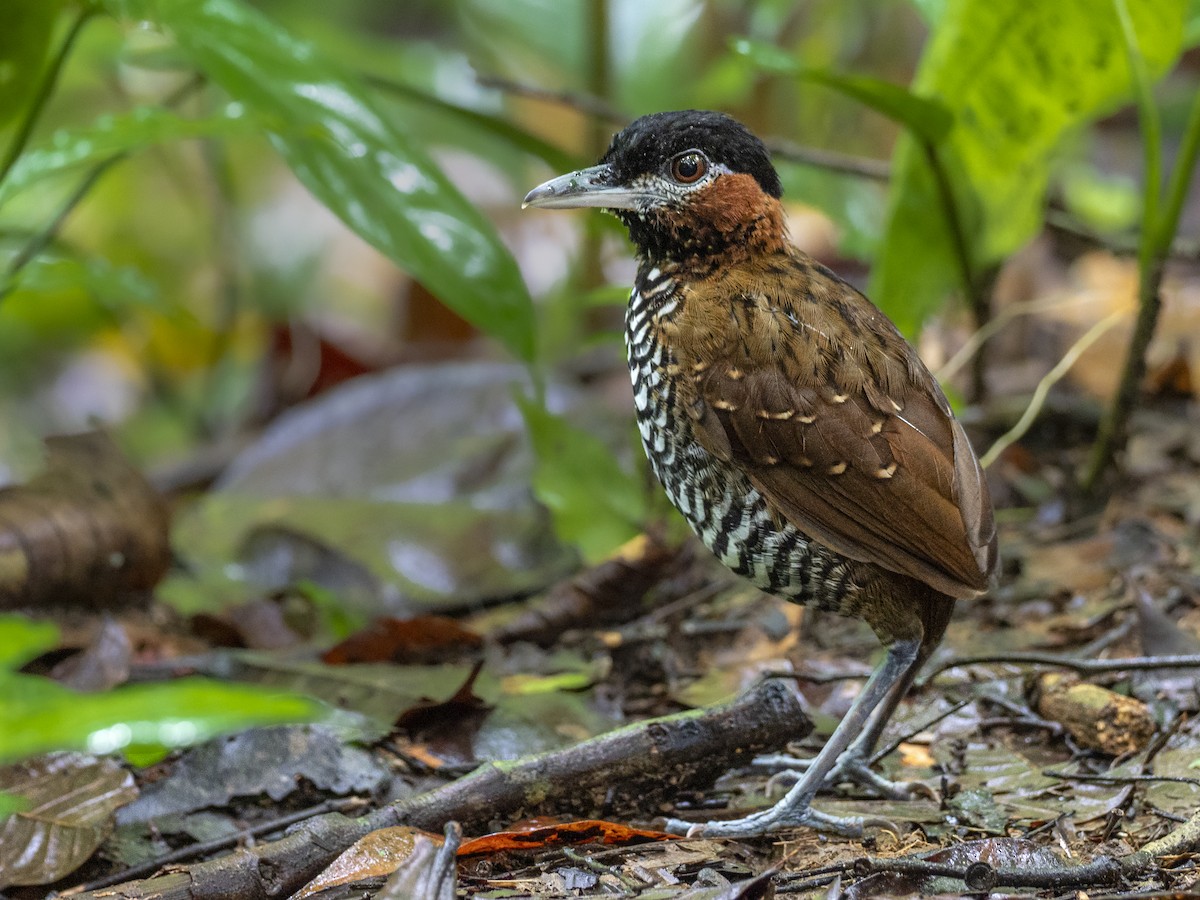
(689, 167)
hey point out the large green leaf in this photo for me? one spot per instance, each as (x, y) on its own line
(22, 639)
(1016, 76)
(925, 117)
(143, 721)
(24, 42)
(596, 505)
(330, 130)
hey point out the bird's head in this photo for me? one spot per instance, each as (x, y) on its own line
(688, 185)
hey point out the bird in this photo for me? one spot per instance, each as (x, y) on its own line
(797, 431)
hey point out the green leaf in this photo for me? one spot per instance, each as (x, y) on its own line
(928, 118)
(115, 288)
(931, 11)
(22, 640)
(1191, 30)
(70, 150)
(10, 804)
(330, 131)
(596, 505)
(498, 127)
(1016, 77)
(24, 43)
(143, 721)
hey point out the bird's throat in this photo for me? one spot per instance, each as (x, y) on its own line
(729, 223)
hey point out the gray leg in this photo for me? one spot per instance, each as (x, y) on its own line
(794, 809)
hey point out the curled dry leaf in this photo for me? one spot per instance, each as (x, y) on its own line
(379, 853)
(89, 528)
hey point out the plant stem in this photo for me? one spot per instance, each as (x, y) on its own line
(44, 90)
(1048, 381)
(42, 239)
(1157, 236)
(972, 287)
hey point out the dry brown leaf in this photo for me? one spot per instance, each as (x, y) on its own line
(70, 802)
(377, 854)
(88, 529)
(542, 837)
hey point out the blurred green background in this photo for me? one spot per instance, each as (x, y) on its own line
(205, 185)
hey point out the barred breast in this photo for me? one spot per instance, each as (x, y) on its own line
(716, 499)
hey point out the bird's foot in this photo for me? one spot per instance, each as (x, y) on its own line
(777, 818)
(851, 766)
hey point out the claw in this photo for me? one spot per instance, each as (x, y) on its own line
(774, 819)
(850, 768)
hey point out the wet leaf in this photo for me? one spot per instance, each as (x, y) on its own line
(397, 558)
(261, 762)
(69, 803)
(1014, 87)
(979, 809)
(71, 150)
(379, 853)
(596, 504)
(342, 492)
(142, 721)
(24, 44)
(23, 639)
(448, 727)
(331, 131)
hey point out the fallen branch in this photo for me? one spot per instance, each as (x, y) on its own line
(635, 766)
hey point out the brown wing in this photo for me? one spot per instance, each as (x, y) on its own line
(862, 454)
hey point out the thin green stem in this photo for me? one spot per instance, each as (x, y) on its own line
(1154, 245)
(45, 89)
(971, 283)
(43, 238)
(1180, 181)
(1151, 132)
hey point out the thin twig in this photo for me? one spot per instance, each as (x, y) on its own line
(1182, 250)
(593, 105)
(1007, 315)
(588, 104)
(830, 160)
(1098, 778)
(890, 748)
(1085, 666)
(1184, 839)
(1048, 381)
